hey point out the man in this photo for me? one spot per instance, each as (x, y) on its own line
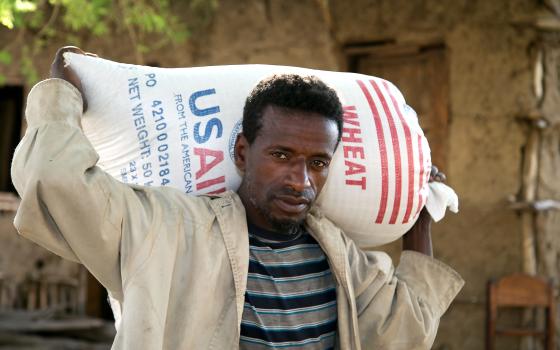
(258, 269)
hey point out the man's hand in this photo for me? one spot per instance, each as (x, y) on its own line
(419, 237)
(61, 71)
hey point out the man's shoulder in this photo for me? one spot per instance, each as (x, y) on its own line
(323, 229)
(172, 198)
(320, 222)
(177, 195)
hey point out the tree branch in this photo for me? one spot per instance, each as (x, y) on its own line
(131, 33)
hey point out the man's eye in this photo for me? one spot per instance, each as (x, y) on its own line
(320, 164)
(279, 155)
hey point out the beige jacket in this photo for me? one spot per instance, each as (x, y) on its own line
(177, 264)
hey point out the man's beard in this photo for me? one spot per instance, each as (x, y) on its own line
(287, 225)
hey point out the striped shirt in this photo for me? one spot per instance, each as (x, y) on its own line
(290, 302)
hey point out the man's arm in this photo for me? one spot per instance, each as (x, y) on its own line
(419, 237)
(69, 205)
(399, 309)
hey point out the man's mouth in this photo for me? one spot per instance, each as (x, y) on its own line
(291, 204)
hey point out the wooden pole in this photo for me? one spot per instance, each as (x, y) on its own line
(530, 179)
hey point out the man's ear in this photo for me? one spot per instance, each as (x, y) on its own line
(240, 151)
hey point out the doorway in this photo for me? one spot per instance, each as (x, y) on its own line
(420, 72)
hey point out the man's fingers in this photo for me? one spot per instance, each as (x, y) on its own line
(440, 177)
(58, 64)
(59, 70)
(434, 171)
(74, 49)
(436, 175)
(59, 54)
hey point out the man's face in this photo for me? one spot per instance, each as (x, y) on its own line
(286, 167)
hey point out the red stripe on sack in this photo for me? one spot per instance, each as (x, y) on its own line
(221, 190)
(420, 175)
(382, 153)
(409, 155)
(396, 153)
(211, 182)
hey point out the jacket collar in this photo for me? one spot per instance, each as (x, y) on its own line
(230, 214)
(231, 218)
(330, 239)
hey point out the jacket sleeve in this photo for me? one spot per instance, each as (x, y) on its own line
(69, 205)
(399, 309)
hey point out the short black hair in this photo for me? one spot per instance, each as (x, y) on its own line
(290, 91)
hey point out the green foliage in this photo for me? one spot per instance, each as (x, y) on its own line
(149, 24)
(11, 11)
(5, 57)
(85, 14)
(27, 67)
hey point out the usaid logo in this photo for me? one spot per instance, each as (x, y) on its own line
(236, 130)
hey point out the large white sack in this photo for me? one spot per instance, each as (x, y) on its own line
(177, 127)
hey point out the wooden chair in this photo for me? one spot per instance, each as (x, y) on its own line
(520, 290)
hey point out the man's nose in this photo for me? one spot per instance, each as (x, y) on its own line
(298, 177)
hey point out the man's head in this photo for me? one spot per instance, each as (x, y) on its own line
(291, 127)
(290, 91)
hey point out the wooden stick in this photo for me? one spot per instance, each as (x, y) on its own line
(538, 205)
(530, 180)
(530, 177)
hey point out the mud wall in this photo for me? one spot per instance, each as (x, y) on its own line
(490, 86)
(490, 49)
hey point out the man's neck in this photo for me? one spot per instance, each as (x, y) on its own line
(274, 236)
